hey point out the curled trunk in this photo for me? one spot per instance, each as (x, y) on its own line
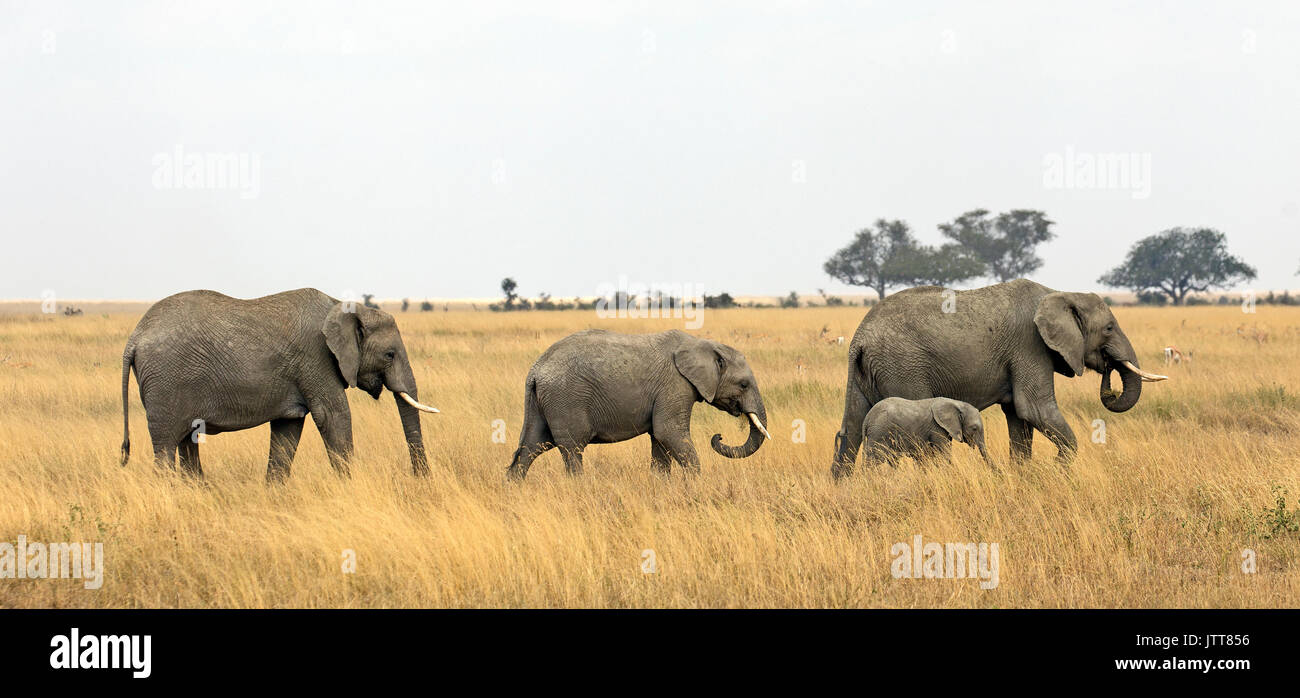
(1132, 388)
(751, 444)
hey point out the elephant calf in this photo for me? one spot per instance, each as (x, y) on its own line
(601, 387)
(897, 427)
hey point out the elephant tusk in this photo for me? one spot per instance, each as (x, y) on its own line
(423, 408)
(754, 418)
(1148, 377)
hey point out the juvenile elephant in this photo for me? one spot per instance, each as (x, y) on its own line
(1001, 345)
(601, 387)
(896, 427)
(208, 363)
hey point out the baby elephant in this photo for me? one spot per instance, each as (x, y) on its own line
(896, 427)
(601, 387)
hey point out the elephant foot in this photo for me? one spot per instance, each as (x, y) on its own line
(515, 473)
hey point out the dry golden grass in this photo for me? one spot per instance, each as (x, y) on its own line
(1158, 516)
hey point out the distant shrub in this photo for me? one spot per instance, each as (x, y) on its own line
(1152, 298)
(722, 300)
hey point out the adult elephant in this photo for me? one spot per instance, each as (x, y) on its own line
(601, 387)
(1000, 345)
(208, 363)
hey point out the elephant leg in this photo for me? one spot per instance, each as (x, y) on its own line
(885, 455)
(1053, 425)
(188, 450)
(572, 458)
(165, 440)
(535, 440)
(671, 427)
(285, 434)
(849, 438)
(660, 460)
(334, 422)
(939, 450)
(1021, 433)
(524, 457)
(164, 455)
(684, 453)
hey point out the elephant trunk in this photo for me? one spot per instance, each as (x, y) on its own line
(757, 427)
(1121, 358)
(405, 393)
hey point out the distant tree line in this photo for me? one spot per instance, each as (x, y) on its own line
(1168, 267)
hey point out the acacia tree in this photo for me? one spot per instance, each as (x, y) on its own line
(1179, 261)
(1004, 244)
(889, 256)
(508, 287)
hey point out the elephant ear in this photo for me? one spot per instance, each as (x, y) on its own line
(1059, 327)
(702, 366)
(342, 330)
(948, 416)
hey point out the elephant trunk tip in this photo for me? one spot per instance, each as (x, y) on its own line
(1127, 397)
(757, 434)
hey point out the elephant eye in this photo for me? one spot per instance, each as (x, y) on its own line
(744, 385)
(1110, 327)
(390, 354)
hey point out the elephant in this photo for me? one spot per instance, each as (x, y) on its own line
(897, 427)
(599, 386)
(1001, 344)
(207, 363)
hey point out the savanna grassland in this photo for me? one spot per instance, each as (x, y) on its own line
(1204, 467)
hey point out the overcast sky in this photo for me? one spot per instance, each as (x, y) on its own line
(429, 150)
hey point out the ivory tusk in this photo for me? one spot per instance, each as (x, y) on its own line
(423, 408)
(1148, 377)
(754, 418)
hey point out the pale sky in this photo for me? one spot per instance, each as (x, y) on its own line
(428, 150)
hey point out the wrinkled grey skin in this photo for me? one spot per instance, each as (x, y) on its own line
(896, 427)
(1001, 345)
(601, 387)
(237, 364)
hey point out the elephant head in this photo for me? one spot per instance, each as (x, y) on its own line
(371, 356)
(1082, 333)
(723, 379)
(962, 422)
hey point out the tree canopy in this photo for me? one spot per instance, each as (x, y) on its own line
(1179, 261)
(889, 256)
(1004, 244)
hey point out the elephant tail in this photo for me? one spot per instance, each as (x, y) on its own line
(128, 359)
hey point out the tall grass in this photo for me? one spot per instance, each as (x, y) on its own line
(1158, 515)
